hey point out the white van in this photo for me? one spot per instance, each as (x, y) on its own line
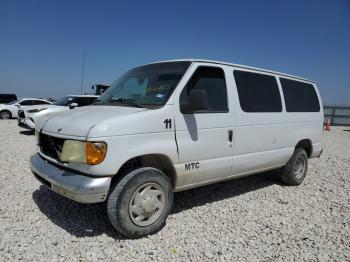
(176, 125)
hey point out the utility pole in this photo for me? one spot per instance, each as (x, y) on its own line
(82, 74)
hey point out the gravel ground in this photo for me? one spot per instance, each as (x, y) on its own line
(253, 218)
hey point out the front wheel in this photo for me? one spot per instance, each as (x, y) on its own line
(295, 171)
(140, 203)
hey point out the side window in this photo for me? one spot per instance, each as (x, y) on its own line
(92, 100)
(212, 81)
(83, 101)
(299, 96)
(39, 102)
(26, 103)
(257, 92)
(80, 101)
(76, 100)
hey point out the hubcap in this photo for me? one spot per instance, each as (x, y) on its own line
(299, 167)
(147, 204)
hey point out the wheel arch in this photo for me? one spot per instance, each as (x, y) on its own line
(306, 144)
(159, 161)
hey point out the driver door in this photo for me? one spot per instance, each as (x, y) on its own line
(204, 137)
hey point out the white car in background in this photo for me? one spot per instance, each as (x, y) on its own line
(10, 110)
(28, 115)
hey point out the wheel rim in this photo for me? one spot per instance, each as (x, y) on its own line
(5, 115)
(299, 167)
(147, 204)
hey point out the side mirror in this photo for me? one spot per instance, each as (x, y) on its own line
(196, 100)
(73, 105)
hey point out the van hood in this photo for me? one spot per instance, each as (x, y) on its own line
(79, 121)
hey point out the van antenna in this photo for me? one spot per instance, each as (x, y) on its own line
(82, 74)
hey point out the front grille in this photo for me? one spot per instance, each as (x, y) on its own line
(51, 146)
(21, 114)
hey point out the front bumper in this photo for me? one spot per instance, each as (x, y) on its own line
(81, 188)
(29, 123)
(22, 123)
(21, 120)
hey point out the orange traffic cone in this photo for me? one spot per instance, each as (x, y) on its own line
(328, 125)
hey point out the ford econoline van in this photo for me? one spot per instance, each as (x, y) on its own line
(175, 125)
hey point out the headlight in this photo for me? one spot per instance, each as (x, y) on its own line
(91, 153)
(36, 110)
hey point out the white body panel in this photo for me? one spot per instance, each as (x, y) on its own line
(203, 138)
(32, 118)
(261, 141)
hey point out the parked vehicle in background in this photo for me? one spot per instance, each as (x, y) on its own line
(29, 115)
(171, 126)
(7, 98)
(10, 110)
(99, 88)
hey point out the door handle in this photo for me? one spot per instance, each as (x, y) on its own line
(230, 136)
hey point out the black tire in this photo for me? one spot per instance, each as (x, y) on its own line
(119, 201)
(5, 114)
(288, 174)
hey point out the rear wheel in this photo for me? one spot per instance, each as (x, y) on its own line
(5, 114)
(140, 202)
(295, 171)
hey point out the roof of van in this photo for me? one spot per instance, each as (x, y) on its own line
(236, 65)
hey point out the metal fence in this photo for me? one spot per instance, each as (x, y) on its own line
(337, 114)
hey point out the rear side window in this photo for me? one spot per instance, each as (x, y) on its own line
(257, 92)
(299, 96)
(212, 81)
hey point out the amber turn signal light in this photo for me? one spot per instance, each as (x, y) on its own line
(95, 152)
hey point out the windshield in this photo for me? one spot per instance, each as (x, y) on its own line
(147, 86)
(64, 101)
(13, 102)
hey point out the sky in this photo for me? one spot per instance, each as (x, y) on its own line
(42, 42)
